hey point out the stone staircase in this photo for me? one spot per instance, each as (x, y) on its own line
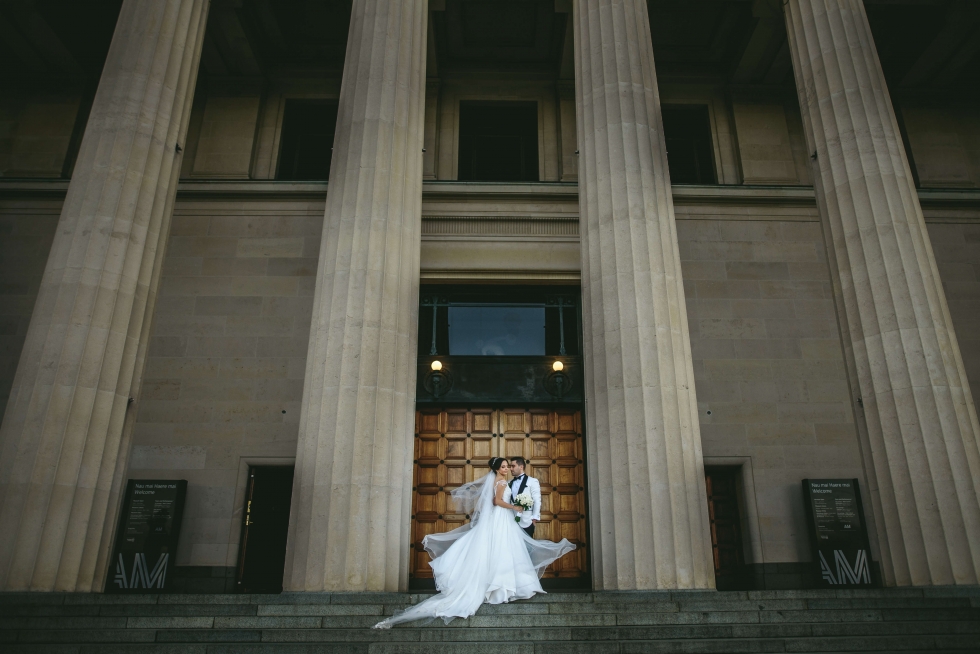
(888, 620)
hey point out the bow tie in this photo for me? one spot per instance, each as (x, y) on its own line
(518, 477)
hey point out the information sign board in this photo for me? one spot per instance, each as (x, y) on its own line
(838, 532)
(146, 538)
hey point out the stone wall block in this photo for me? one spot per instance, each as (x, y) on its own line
(63, 449)
(922, 439)
(648, 515)
(349, 524)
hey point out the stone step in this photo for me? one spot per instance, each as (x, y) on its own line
(726, 646)
(497, 621)
(141, 635)
(622, 597)
(563, 623)
(38, 610)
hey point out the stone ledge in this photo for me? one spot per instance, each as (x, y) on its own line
(571, 276)
(486, 191)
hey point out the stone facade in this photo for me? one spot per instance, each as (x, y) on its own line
(957, 247)
(36, 126)
(27, 228)
(773, 332)
(224, 375)
(945, 137)
(770, 373)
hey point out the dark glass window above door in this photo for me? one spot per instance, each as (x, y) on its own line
(496, 330)
(687, 135)
(307, 138)
(499, 321)
(498, 141)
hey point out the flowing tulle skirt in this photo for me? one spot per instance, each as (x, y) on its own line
(493, 562)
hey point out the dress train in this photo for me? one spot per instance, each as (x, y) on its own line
(489, 560)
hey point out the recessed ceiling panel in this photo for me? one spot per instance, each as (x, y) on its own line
(297, 32)
(932, 45)
(700, 37)
(524, 35)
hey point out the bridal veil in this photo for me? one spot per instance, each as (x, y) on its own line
(476, 499)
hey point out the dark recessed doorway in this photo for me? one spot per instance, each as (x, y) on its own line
(262, 549)
(721, 484)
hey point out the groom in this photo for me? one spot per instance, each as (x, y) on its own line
(521, 482)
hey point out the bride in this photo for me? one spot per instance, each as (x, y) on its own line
(489, 560)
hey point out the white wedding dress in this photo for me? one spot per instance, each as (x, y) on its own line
(490, 560)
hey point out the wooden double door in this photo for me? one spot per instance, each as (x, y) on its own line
(453, 446)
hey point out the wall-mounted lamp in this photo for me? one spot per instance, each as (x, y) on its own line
(557, 382)
(437, 381)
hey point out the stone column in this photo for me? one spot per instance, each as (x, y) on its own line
(921, 450)
(350, 518)
(647, 502)
(62, 449)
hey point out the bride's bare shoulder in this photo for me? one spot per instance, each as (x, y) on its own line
(501, 482)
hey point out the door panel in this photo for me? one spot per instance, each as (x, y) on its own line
(726, 535)
(262, 551)
(452, 447)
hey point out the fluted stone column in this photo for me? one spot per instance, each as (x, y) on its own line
(62, 450)
(923, 463)
(647, 502)
(350, 517)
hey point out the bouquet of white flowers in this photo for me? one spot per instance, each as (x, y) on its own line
(525, 502)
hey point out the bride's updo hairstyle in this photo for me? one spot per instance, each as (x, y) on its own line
(495, 463)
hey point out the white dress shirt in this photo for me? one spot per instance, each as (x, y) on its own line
(534, 487)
